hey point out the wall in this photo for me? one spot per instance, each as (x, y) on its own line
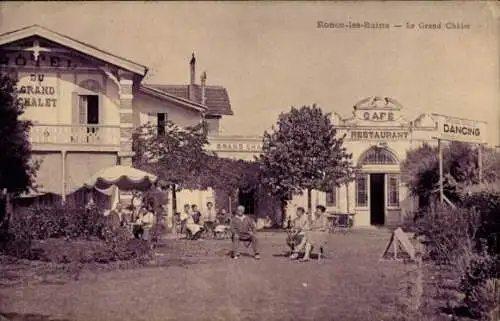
(62, 104)
(81, 166)
(145, 104)
(49, 176)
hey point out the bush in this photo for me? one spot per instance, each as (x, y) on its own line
(119, 246)
(448, 232)
(60, 221)
(64, 234)
(468, 239)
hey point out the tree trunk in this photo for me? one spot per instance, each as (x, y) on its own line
(174, 204)
(309, 201)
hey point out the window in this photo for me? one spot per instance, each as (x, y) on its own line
(378, 156)
(361, 190)
(331, 197)
(86, 112)
(88, 109)
(161, 122)
(393, 191)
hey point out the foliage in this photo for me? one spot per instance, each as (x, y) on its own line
(303, 152)
(179, 157)
(65, 235)
(17, 171)
(447, 232)
(467, 239)
(58, 221)
(460, 168)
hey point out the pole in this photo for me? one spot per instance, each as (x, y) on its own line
(347, 196)
(441, 192)
(309, 201)
(63, 174)
(480, 162)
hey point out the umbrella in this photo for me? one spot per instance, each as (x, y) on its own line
(123, 177)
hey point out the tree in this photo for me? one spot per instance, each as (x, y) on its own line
(303, 152)
(17, 170)
(176, 156)
(460, 169)
(180, 160)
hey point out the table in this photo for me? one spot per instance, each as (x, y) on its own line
(341, 220)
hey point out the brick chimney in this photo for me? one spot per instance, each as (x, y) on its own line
(203, 84)
(192, 64)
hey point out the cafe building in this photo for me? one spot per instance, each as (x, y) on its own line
(85, 103)
(378, 136)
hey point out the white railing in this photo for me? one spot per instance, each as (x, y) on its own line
(75, 134)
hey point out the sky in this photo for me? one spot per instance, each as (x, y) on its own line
(271, 55)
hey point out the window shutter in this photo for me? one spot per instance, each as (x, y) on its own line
(152, 119)
(82, 109)
(75, 108)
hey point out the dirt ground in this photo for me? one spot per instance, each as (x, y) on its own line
(196, 280)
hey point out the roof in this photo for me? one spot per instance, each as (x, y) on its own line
(217, 98)
(36, 30)
(150, 90)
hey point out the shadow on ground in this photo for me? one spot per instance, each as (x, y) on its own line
(27, 317)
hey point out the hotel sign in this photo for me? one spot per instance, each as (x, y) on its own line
(460, 129)
(37, 90)
(379, 135)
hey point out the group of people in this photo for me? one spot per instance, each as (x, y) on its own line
(308, 232)
(140, 218)
(305, 233)
(193, 223)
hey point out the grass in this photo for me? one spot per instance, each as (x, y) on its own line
(196, 280)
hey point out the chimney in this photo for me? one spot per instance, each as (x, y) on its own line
(192, 63)
(193, 69)
(203, 82)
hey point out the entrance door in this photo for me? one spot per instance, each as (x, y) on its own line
(247, 199)
(377, 204)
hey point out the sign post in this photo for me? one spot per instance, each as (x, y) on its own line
(461, 130)
(440, 151)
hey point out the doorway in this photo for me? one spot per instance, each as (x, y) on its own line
(377, 202)
(247, 199)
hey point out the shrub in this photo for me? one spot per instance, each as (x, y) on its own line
(119, 246)
(468, 239)
(58, 221)
(448, 232)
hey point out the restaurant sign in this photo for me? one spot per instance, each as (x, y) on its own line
(460, 129)
(379, 135)
(37, 90)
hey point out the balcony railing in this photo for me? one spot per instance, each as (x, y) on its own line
(75, 134)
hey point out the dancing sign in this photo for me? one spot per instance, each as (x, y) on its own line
(460, 129)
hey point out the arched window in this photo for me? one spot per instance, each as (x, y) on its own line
(378, 156)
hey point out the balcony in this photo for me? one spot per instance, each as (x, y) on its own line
(75, 137)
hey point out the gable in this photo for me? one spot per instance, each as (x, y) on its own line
(38, 47)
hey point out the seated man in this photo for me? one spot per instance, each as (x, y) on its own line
(298, 235)
(243, 229)
(318, 233)
(144, 223)
(193, 229)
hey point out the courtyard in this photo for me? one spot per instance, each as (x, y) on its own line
(197, 280)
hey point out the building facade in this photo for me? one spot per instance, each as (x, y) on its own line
(85, 104)
(378, 136)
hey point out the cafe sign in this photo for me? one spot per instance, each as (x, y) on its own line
(37, 90)
(460, 129)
